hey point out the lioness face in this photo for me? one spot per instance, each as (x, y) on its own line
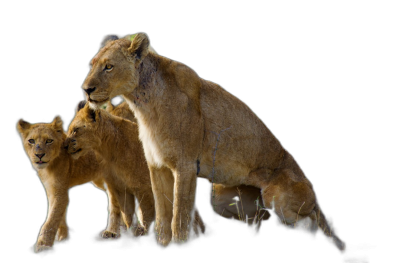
(81, 136)
(42, 141)
(115, 69)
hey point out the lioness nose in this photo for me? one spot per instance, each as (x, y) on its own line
(90, 90)
(40, 155)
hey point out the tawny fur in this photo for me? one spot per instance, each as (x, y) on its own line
(115, 141)
(182, 119)
(58, 172)
(250, 201)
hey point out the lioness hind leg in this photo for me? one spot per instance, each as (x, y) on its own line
(291, 199)
(162, 183)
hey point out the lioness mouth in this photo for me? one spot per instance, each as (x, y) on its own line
(41, 162)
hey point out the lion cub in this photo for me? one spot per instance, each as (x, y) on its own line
(43, 143)
(116, 141)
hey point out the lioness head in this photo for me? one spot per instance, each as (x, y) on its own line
(42, 141)
(115, 69)
(81, 136)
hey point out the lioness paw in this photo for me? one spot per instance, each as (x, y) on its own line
(139, 231)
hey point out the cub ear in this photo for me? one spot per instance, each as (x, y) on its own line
(80, 106)
(23, 125)
(92, 114)
(57, 124)
(108, 39)
(139, 46)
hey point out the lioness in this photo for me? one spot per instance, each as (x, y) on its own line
(192, 127)
(249, 201)
(113, 139)
(43, 143)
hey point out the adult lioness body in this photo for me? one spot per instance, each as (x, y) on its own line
(222, 197)
(190, 126)
(43, 143)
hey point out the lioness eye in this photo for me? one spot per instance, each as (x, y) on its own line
(31, 141)
(108, 67)
(49, 141)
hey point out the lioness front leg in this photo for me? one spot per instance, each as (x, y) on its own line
(184, 195)
(162, 183)
(57, 205)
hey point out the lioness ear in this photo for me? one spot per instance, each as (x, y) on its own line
(23, 125)
(139, 46)
(58, 124)
(80, 106)
(108, 39)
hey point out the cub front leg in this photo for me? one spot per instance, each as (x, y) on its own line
(184, 195)
(62, 232)
(162, 183)
(114, 217)
(57, 205)
(126, 202)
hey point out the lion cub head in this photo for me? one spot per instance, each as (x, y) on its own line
(82, 131)
(115, 68)
(42, 141)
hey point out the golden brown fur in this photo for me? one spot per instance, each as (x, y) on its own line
(58, 173)
(222, 197)
(190, 126)
(115, 140)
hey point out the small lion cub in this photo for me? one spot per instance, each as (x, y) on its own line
(58, 171)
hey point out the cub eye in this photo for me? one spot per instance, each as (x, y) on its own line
(49, 141)
(108, 67)
(31, 141)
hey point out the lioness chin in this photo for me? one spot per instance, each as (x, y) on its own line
(192, 127)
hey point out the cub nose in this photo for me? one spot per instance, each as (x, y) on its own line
(40, 155)
(89, 90)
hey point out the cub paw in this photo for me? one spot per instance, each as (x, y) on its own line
(62, 234)
(41, 246)
(139, 231)
(108, 234)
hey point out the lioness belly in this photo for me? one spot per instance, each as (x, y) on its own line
(228, 175)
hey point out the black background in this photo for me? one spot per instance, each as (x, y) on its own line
(310, 75)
